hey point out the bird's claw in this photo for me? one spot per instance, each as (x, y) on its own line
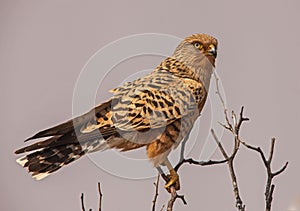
(174, 181)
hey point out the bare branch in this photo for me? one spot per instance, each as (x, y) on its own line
(100, 196)
(241, 120)
(225, 126)
(200, 163)
(229, 126)
(100, 199)
(156, 192)
(233, 116)
(218, 91)
(162, 208)
(82, 202)
(238, 201)
(281, 170)
(173, 193)
(219, 144)
(269, 189)
(271, 150)
(269, 198)
(182, 161)
(234, 129)
(173, 198)
(257, 149)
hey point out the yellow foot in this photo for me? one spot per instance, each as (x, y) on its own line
(174, 181)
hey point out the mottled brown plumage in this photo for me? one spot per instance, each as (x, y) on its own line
(156, 111)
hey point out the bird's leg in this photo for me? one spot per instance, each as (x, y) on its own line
(173, 176)
(160, 171)
(183, 145)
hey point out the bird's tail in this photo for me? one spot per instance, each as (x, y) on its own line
(48, 160)
(65, 143)
(43, 162)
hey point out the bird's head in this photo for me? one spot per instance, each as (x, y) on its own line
(198, 52)
(196, 48)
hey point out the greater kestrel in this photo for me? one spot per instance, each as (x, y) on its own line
(155, 111)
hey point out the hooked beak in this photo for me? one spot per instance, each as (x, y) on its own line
(212, 50)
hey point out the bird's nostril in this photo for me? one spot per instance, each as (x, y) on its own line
(211, 47)
(212, 50)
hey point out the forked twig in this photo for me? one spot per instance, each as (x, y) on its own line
(269, 189)
(234, 127)
(173, 198)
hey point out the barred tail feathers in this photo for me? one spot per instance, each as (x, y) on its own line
(48, 160)
(66, 142)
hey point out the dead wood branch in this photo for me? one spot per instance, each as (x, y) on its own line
(100, 199)
(269, 189)
(156, 192)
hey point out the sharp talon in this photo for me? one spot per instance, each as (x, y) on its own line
(174, 181)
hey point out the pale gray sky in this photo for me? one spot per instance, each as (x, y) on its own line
(45, 44)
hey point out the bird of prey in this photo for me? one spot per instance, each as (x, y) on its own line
(156, 111)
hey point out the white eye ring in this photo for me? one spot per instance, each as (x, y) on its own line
(197, 45)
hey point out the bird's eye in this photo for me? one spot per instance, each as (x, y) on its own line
(198, 45)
